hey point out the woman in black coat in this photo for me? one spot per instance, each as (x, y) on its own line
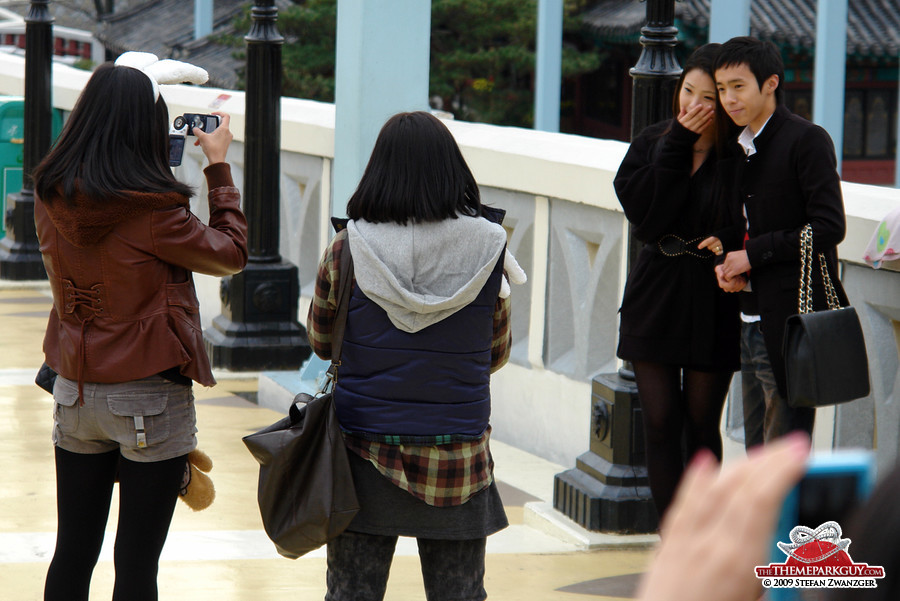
(678, 328)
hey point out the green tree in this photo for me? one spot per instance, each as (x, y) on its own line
(308, 55)
(483, 61)
(482, 55)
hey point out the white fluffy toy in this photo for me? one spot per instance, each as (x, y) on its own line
(515, 273)
(164, 71)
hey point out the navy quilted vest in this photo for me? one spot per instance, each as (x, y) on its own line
(432, 382)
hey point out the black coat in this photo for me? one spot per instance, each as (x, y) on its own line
(792, 180)
(673, 311)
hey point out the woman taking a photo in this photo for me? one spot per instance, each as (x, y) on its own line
(679, 330)
(119, 243)
(427, 324)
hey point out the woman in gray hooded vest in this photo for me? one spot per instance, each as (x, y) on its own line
(428, 322)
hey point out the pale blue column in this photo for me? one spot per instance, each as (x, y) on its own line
(382, 60)
(728, 19)
(830, 70)
(382, 64)
(203, 18)
(548, 75)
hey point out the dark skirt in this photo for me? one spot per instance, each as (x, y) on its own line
(388, 510)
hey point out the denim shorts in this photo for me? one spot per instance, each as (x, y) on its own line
(146, 420)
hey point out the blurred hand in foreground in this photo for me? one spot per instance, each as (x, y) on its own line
(720, 525)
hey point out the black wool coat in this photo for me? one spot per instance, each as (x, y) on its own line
(673, 311)
(792, 180)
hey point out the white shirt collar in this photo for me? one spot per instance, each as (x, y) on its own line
(747, 136)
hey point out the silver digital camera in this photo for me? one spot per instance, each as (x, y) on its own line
(184, 125)
(205, 123)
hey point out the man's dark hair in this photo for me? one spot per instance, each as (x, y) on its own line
(761, 57)
(115, 140)
(416, 172)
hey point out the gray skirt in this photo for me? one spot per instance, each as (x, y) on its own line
(388, 510)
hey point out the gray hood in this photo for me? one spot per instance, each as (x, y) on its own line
(421, 273)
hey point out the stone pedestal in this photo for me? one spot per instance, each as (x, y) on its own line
(608, 489)
(258, 327)
(20, 254)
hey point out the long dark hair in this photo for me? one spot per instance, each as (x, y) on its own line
(115, 140)
(704, 58)
(416, 172)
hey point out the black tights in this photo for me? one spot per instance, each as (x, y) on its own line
(678, 404)
(147, 497)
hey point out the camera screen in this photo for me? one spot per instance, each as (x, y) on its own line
(826, 498)
(176, 150)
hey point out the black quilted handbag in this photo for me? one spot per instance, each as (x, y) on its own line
(825, 357)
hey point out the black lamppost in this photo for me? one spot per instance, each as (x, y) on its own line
(20, 255)
(655, 76)
(608, 489)
(258, 327)
(657, 70)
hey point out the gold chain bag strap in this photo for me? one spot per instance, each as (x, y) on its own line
(806, 261)
(825, 357)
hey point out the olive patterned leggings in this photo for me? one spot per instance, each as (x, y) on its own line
(358, 567)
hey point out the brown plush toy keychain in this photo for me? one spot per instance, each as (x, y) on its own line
(197, 489)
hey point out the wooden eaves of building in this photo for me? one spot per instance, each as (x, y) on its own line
(603, 102)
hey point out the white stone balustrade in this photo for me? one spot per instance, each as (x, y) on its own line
(568, 232)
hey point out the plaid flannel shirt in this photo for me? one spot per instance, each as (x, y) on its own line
(443, 473)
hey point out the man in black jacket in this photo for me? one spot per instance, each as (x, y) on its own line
(785, 177)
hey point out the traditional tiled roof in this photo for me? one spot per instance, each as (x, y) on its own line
(873, 26)
(218, 60)
(166, 28)
(77, 14)
(616, 20)
(163, 27)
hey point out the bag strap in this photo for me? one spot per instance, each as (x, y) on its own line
(340, 318)
(805, 304)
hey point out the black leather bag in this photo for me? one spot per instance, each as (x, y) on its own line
(825, 357)
(46, 378)
(306, 494)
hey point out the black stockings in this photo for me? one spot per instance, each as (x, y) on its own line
(147, 497)
(678, 408)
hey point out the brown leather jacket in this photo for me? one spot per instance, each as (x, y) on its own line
(124, 304)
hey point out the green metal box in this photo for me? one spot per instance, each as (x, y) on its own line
(12, 144)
